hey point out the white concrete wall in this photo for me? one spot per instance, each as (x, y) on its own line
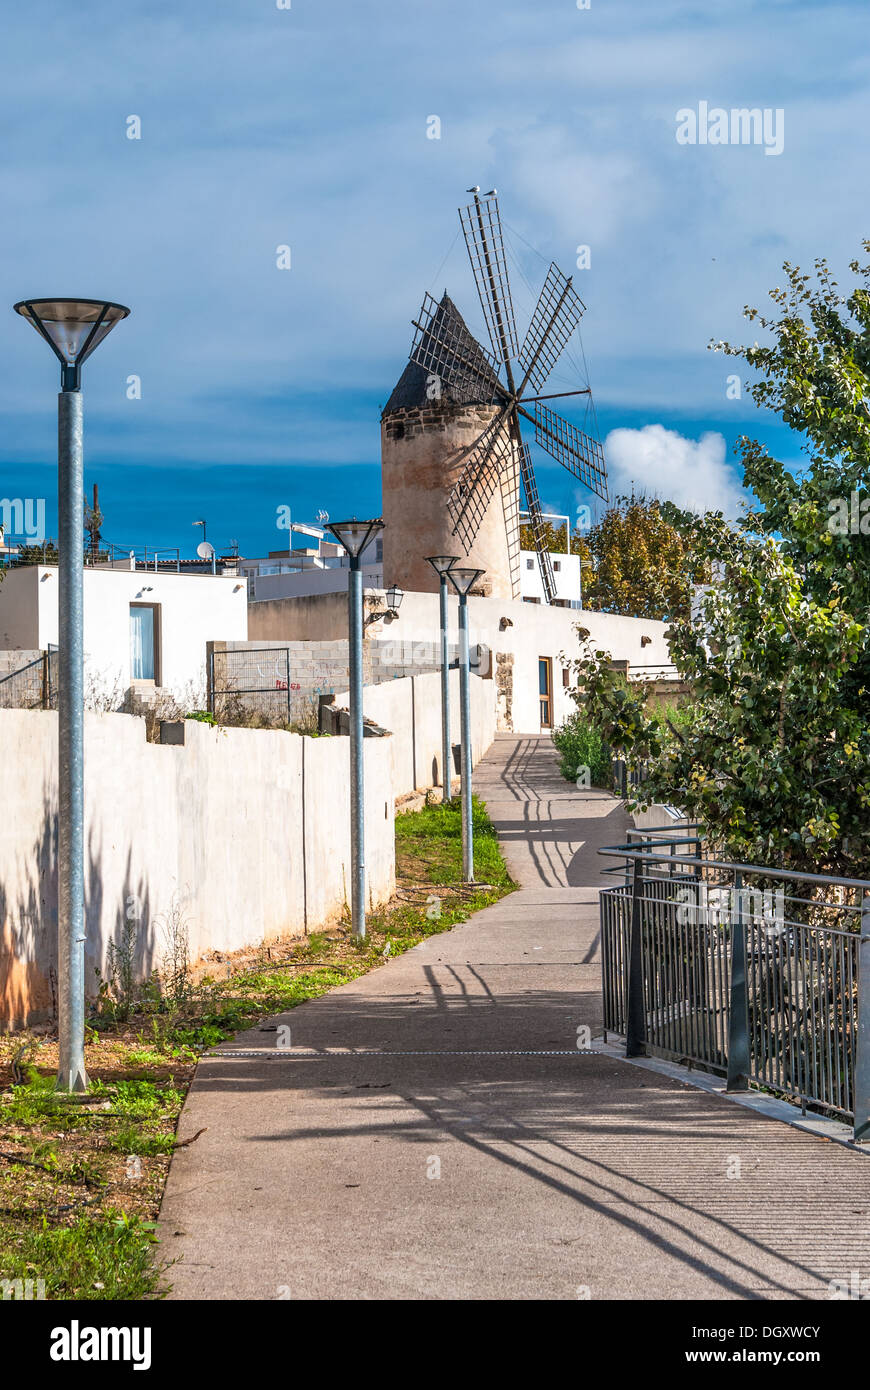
(248, 831)
(531, 631)
(411, 709)
(194, 609)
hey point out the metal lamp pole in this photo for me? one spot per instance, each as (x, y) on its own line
(463, 580)
(441, 564)
(72, 328)
(355, 536)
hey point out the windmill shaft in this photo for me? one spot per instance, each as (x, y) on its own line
(558, 395)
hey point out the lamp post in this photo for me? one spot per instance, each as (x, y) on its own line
(355, 536)
(441, 564)
(73, 328)
(463, 580)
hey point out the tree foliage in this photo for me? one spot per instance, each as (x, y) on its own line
(774, 753)
(639, 562)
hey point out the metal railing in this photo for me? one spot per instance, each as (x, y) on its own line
(626, 776)
(756, 973)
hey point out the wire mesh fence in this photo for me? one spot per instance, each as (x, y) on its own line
(744, 970)
(256, 685)
(32, 685)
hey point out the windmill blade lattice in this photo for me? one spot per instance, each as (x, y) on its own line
(481, 226)
(557, 313)
(445, 349)
(533, 504)
(473, 489)
(580, 453)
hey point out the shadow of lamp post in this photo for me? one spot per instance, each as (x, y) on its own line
(73, 328)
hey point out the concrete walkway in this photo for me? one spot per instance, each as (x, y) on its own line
(464, 1148)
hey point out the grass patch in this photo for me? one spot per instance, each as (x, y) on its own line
(81, 1180)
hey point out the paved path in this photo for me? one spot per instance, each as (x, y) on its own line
(469, 1150)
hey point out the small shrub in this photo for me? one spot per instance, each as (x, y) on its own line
(581, 745)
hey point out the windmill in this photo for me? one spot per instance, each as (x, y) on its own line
(510, 378)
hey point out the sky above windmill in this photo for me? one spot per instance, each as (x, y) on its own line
(308, 127)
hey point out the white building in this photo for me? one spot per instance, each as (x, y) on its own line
(322, 569)
(143, 631)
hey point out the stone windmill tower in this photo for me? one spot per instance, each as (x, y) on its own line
(452, 453)
(427, 430)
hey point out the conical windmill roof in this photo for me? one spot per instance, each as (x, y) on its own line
(411, 390)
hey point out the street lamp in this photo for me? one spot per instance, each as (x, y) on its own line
(394, 599)
(463, 580)
(355, 536)
(441, 564)
(73, 328)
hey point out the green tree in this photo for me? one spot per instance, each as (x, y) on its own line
(773, 754)
(555, 540)
(639, 562)
(37, 554)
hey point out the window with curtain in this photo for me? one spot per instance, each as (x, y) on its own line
(142, 643)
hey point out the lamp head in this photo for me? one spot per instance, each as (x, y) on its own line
(355, 535)
(72, 328)
(463, 578)
(441, 563)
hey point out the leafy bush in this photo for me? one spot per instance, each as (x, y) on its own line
(580, 745)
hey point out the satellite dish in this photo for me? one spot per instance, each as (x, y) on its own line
(205, 550)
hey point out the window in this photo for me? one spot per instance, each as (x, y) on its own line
(143, 642)
(545, 690)
(379, 552)
(530, 564)
(557, 564)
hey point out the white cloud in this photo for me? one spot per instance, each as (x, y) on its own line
(662, 463)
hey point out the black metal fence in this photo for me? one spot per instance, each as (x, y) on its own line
(626, 776)
(32, 685)
(759, 974)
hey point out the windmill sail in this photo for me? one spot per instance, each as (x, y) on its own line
(582, 454)
(451, 356)
(481, 226)
(533, 504)
(557, 313)
(468, 500)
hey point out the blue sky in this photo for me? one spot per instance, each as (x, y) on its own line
(307, 127)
